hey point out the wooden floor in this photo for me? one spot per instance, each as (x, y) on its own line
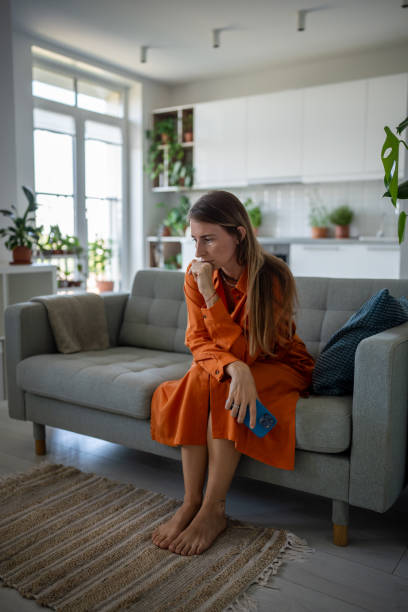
(370, 574)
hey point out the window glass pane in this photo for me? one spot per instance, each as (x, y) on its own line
(47, 120)
(103, 131)
(100, 99)
(53, 162)
(104, 220)
(103, 170)
(53, 86)
(55, 210)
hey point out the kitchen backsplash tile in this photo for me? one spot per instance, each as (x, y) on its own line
(285, 207)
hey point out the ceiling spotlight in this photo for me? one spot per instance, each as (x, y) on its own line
(143, 54)
(301, 20)
(216, 37)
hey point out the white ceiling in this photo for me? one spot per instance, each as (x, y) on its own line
(258, 34)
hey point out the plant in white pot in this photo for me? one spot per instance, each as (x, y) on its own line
(22, 234)
(390, 160)
(99, 256)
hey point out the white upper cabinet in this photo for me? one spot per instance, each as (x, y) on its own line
(220, 143)
(274, 136)
(334, 131)
(386, 105)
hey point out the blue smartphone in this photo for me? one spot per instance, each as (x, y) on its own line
(265, 420)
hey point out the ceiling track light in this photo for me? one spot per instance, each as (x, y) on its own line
(301, 20)
(216, 37)
(143, 54)
(404, 4)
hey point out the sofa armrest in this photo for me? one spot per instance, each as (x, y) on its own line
(380, 401)
(115, 304)
(27, 332)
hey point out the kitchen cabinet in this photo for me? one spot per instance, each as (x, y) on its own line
(386, 105)
(334, 131)
(220, 144)
(332, 259)
(274, 136)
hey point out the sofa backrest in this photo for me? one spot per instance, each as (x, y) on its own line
(156, 315)
(325, 304)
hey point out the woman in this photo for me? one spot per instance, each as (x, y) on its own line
(241, 333)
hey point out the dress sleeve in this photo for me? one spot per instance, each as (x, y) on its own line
(214, 339)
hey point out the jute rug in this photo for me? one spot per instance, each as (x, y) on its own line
(78, 542)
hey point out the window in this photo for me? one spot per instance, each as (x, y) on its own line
(79, 158)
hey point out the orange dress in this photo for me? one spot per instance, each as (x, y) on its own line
(215, 336)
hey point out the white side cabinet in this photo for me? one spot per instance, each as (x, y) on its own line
(334, 131)
(348, 261)
(20, 283)
(386, 105)
(220, 143)
(274, 136)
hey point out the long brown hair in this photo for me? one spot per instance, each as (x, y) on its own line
(271, 288)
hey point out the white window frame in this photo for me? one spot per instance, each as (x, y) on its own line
(80, 116)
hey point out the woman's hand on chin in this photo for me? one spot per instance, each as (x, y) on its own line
(202, 272)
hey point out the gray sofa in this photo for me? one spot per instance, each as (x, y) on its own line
(350, 449)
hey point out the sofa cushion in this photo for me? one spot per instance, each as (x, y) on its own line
(334, 370)
(156, 313)
(119, 379)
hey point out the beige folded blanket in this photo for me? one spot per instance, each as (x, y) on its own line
(77, 321)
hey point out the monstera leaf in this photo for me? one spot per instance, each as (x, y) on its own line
(390, 160)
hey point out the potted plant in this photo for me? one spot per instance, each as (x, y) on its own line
(181, 174)
(254, 213)
(390, 160)
(319, 221)
(99, 256)
(176, 219)
(188, 127)
(23, 234)
(166, 129)
(341, 217)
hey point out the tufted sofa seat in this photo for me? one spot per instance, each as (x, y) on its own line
(351, 449)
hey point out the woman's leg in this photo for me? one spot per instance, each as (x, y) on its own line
(210, 521)
(194, 462)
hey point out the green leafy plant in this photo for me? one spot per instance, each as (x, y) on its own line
(176, 219)
(99, 256)
(254, 212)
(173, 262)
(318, 216)
(181, 174)
(390, 161)
(188, 123)
(23, 231)
(342, 215)
(55, 242)
(155, 164)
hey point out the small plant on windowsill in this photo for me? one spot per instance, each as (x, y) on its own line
(99, 257)
(57, 243)
(23, 234)
(390, 161)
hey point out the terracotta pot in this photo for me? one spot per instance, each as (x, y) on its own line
(342, 231)
(22, 255)
(319, 232)
(104, 286)
(188, 136)
(166, 231)
(164, 138)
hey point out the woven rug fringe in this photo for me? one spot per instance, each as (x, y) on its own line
(294, 549)
(14, 477)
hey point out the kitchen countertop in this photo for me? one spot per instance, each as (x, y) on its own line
(386, 241)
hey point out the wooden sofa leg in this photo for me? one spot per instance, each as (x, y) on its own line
(340, 535)
(39, 437)
(340, 519)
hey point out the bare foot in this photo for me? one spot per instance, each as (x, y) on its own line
(206, 526)
(164, 534)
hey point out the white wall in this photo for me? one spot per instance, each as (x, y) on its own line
(390, 60)
(7, 140)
